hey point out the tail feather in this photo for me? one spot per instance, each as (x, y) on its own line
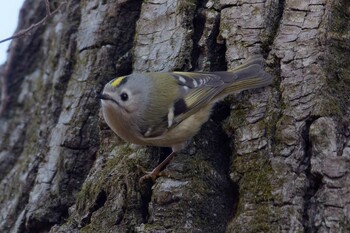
(258, 60)
(249, 75)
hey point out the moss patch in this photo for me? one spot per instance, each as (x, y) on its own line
(338, 62)
(255, 180)
(106, 178)
(255, 188)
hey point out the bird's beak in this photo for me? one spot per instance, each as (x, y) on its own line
(103, 96)
(106, 97)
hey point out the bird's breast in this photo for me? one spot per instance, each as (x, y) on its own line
(121, 124)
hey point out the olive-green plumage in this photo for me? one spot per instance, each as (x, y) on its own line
(168, 109)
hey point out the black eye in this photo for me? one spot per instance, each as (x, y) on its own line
(124, 96)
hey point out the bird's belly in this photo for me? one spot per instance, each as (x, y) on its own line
(178, 135)
(182, 132)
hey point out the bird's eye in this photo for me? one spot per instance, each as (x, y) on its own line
(124, 96)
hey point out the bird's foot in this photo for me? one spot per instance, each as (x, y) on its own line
(154, 174)
(148, 177)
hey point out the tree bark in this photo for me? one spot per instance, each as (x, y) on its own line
(275, 159)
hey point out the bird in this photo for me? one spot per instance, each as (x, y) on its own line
(167, 109)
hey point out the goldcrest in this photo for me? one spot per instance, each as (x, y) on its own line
(168, 109)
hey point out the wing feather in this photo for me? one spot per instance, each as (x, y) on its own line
(198, 90)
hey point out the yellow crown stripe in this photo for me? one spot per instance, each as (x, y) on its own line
(116, 82)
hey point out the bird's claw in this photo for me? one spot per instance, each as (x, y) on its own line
(148, 176)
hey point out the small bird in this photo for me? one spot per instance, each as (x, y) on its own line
(168, 109)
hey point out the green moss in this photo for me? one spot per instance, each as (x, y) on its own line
(89, 191)
(103, 179)
(260, 222)
(110, 176)
(256, 11)
(184, 5)
(238, 114)
(255, 188)
(341, 17)
(345, 225)
(237, 119)
(255, 182)
(338, 64)
(225, 26)
(329, 107)
(284, 121)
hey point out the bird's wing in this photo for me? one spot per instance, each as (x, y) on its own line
(196, 91)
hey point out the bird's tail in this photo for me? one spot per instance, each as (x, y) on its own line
(249, 75)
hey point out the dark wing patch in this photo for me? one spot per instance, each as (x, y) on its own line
(180, 106)
(196, 90)
(196, 99)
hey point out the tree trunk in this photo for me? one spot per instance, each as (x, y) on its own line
(275, 159)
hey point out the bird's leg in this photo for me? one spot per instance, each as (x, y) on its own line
(155, 172)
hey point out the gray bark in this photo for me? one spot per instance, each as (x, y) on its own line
(275, 159)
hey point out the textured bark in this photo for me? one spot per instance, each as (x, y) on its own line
(275, 159)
